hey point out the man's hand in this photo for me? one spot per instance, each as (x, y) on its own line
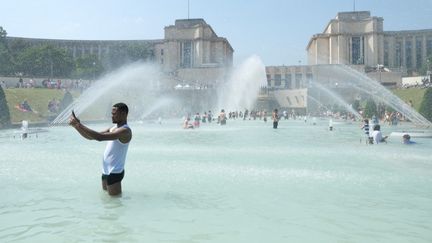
(73, 121)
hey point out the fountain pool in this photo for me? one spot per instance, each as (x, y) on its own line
(244, 182)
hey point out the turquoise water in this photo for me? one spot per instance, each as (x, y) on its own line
(241, 183)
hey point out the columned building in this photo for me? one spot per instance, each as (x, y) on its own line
(190, 53)
(354, 39)
(357, 38)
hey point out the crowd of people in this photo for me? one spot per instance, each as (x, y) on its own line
(222, 117)
(426, 82)
(244, 115)
(371, 127)
(79, 85)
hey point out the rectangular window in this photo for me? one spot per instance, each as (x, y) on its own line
(152, 56)
(357, 50)
(298, 78)
(386, 53)
(288, 84)
(278, 80)
(408, 53)
(268, 80)
(186, 54)
(429, 47)
(309, 78)
(398, 51)
(162, 52)
(418, 54)
(213, 52)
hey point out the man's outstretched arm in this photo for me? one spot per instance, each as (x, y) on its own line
(121, 133)
(75, 122)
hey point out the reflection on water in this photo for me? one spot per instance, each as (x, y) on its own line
(245, 182)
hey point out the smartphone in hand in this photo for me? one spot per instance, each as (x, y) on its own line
(74, 116)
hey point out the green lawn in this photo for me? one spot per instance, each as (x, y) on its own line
(38, 100)
(414, 94)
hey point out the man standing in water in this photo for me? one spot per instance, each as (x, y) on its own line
(118, 138)
(275, 118)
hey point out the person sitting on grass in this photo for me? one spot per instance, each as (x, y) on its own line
(25, 105)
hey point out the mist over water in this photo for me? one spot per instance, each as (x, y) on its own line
(128, 84)
(242, 88)
(337, 99)
(339, 83)
(157, 105)
(363, 83)
(137, 85)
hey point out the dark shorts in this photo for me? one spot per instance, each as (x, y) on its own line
(113, 178)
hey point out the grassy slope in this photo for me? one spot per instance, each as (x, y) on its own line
(38, 100)
(414, 94)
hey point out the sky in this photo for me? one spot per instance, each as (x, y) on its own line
(278, 31)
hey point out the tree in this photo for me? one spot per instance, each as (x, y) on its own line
(427, 66)
(370, 108)
(3, 35)
(356, 105)
(426, 105)
(87, 67)
(4, 110)
(337, 108)
(16, 46)
(122, 54)
(45, 61)
(6, 64)
(139, 52)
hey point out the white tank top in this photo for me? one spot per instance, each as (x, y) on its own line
(115, 155)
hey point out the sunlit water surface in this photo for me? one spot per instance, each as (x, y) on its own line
(244, 182)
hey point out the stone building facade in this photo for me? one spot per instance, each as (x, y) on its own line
(306, 88)
(288, 85)
(357, 38)
(193, 53)
(190, 53)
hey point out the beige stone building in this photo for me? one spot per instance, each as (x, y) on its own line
(357, 38)
(354, 39)
(288, 85)
(193, 53)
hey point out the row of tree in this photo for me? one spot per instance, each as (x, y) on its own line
(19, 57)
(5, 120)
